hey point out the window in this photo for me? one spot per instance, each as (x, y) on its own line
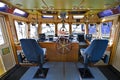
(21, 29)
(63, 29)
(1, 35)
(34, 31)
(105, 29)
(48, 29)
(92, 29)
(78, 28)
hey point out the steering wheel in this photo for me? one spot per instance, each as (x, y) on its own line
(63, 45)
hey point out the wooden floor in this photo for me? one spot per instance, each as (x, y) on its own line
(17, 72)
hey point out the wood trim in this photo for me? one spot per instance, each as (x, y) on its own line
(53, 55)
(8, 20)
(115, 41)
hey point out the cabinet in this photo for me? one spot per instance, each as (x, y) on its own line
(54, 55)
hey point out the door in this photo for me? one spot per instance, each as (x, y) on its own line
(7, 60)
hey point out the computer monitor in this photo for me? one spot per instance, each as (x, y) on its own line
(42, 37)
(71, 37)
(50, 37)
(80, 37)
(88, 37)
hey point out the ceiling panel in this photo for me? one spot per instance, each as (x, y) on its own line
(63, 5)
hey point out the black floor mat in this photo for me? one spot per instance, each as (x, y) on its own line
(37, 74)
(86, 74)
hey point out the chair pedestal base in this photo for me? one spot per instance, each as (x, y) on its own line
(41, 73)
(85, 73)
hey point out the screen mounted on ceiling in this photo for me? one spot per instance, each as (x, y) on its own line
(109, 12)
(3, 7)
(105, 13)
(19, 12)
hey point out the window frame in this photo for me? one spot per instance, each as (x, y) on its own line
(79, 24)
(58, 31)
(52, 28)
(96, 34)
(110, 29)
(3, 30)
(31, 26)
(26, 25)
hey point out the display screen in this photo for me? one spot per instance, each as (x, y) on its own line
(105, 13)
(20, 13)
(88, 37)
(42, 37)
(80, 37)
(3, 7)
(109, 12)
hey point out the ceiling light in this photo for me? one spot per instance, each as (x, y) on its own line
(78, 16)
(103, 20)
(65, 17)
(47, 16)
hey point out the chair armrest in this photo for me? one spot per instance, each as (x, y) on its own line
(45, 58)
(105, 58)
(44, 50)
(20, 58)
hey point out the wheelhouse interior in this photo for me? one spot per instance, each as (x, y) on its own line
(63, 28)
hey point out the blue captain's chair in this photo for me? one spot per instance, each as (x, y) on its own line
(94, 52)
(34, 53)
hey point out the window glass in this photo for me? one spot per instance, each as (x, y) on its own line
(21, 29)
(105, 29)
(92, 29)
(78, 28)
(48, 28)
(63, 29)
(1, 35)
(34, 31)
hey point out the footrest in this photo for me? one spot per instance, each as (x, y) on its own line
(40, 74)
(85, 73)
